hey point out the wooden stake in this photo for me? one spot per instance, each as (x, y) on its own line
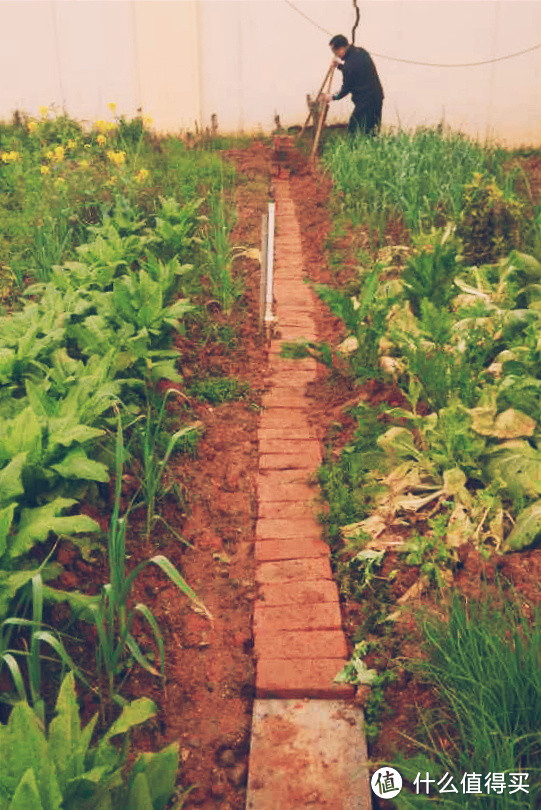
(323, 110)
(310, 114)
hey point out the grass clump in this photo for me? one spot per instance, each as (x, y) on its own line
(218, 389)
(484, 661)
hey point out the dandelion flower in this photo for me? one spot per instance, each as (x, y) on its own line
(45, 169)
(141, 175)
(10, 157)
(31, 126)
(59, 153)
(118, 158)
(101, 140)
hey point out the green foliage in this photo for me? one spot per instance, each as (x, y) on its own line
(416, 177)
(431, 552)
(485, 663)
(218, 389)
(58, 768)
(430, 271)
(491, 220)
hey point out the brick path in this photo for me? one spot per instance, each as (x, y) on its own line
(299, 643)
(308, 747)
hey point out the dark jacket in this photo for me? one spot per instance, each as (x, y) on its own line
(360, 78)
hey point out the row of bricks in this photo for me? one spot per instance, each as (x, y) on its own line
(299, 643)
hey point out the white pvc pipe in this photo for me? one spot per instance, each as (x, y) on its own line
(270, 264)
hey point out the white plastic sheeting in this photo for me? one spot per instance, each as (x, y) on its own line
(180, 61)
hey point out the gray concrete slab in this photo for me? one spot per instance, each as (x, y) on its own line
(307, 754)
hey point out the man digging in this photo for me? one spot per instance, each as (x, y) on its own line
(360, 78)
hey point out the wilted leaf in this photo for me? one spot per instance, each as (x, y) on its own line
(459, 528)
(398, 441)
(518, 465)
(509, 424)
(526, 530)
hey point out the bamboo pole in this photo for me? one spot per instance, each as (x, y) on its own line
(329, 73)
(323, 110)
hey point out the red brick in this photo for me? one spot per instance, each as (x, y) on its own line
(272, 493)
(294, 570)
(290, 549)
(279, 445)
(278, 418)
(293, 644)
(289, 461)
(291, 510)
(310, 446)
(282, 528)
(276, 678)
(299, 593)
(304, 433)
(319, 616)
(285, 398)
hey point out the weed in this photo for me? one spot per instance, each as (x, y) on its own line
(218, 389)
(484, 661)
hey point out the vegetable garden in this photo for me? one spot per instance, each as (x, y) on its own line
(130, 364)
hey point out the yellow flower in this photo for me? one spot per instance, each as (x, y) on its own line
(141, 175)
(118, 158)
(10, 157)
(59, 153)
(100, 125)
(71, 144)
(43, 111)
(45, 169)
(31, 126)
(110, 126)
(102, 140)
(112, 106)
(84, 164)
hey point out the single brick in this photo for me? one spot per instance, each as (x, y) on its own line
(319, 616)
(290, 549)
(304, 433)
(298, 593)
(285, 398)
(280, 445)
(277, 418)
(290, 644)
(289, 461)
(291, 510)
(276, 678)
(294, 570)
(272, 493)
(282, 528)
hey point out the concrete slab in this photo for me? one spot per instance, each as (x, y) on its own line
(307, 754)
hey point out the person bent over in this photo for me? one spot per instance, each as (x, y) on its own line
(360, 78)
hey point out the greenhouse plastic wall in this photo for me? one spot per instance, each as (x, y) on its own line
(180, 61)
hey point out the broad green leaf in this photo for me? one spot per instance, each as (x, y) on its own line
(10, 584)
(6, 519)
(21, 435)
(139, 798)
(65, 730)
(138, 711)
(29, 750)
(518, 465)
(10, 478)
(161, 773)
(526, 529)
(76, 464)
(26, 797)
(36, 525)
(64, 432)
